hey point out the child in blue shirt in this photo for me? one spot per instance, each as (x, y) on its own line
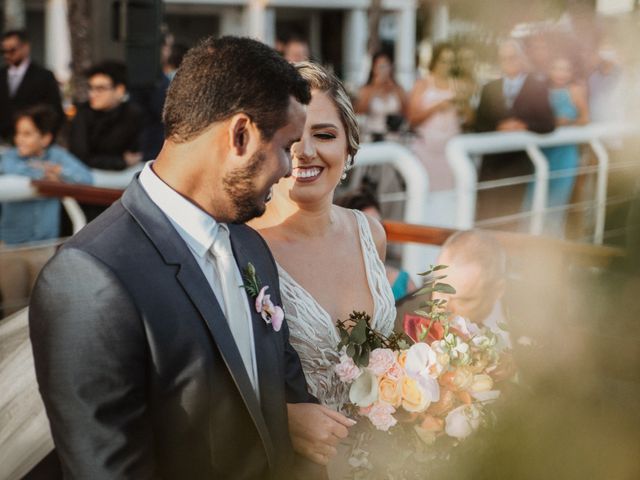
(36, 156)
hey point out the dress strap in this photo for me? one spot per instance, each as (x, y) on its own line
(384, 305)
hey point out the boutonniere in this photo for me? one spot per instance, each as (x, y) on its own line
(272, 314)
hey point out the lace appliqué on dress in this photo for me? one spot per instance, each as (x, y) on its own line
(313, 333)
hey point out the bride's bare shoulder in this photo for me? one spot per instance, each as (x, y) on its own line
(377, 232)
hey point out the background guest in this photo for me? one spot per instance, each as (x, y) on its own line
(515, 102)
(432, 113)
(381, 99)
(539, 54)
(296, 49)
(477, 265)
(569, 102)
(467, 87)
(36, 156)
(23, 82)
(106, 132)
(151, 102)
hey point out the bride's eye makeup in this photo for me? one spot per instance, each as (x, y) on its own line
(325, 131)
(325, 135)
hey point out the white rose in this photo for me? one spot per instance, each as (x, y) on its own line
(462, 421)
(364, 391)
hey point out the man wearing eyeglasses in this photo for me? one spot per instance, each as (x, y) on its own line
(23, 83)
(106, 131)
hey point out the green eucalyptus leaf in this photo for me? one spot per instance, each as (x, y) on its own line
(444, 288)
(364, 358)
(359, 332)
(351, 350)
(422, 291)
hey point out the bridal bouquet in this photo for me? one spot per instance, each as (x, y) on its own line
(436, 378)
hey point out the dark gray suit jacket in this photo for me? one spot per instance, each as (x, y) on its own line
(136, 364)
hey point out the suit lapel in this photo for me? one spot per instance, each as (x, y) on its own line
(175, 252)
(264, 336)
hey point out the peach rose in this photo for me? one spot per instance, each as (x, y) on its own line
(459, 379)
(464, 397)
(389, 391)
(444, 405)
(414, 398)
(402, 358)
(432, 424)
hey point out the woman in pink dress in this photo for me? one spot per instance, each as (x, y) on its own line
(434, 117)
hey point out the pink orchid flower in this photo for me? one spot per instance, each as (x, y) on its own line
(270, 313)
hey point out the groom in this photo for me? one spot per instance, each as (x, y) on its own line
(152, 360)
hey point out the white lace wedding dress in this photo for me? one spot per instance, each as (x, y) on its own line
(313, 332)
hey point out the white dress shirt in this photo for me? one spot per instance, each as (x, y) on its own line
(493, 321)
(198, 229)
(15, 74)
(511, 88)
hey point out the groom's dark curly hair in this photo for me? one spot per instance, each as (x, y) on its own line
(222, 77)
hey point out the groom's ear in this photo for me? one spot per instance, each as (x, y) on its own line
(242, 134)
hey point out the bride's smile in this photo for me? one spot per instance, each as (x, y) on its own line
(307, 174)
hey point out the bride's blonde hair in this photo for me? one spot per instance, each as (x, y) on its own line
(321, 79)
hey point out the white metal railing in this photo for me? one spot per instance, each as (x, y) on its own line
(462, 149)
(416, 180)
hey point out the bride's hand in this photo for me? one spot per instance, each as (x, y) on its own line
(316, 430)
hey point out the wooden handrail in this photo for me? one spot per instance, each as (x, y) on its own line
(514, 243)
(82, 193)
(401, 232)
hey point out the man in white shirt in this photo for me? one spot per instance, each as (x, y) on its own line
(153, 358)
(23, 83)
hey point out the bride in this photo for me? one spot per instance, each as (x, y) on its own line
(330, 261)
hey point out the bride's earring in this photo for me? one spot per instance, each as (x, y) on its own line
(348, 165)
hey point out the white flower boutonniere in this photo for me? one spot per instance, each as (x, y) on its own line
(272, 314)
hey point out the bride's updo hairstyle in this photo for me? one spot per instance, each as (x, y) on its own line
(322, 80)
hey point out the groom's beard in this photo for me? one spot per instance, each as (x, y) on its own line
(247, 203)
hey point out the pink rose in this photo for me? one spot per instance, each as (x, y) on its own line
(381, 361)
(396, 372)
(347, 370)
(270, 313)
(381, 416)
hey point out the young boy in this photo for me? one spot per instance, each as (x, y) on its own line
(34, 156)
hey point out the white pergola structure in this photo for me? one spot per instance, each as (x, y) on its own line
(57, 39)
(257, 19)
